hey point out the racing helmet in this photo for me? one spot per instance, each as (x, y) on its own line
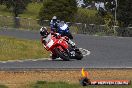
(54, 18)
(44, 32)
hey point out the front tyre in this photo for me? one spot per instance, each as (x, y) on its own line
(62, 54)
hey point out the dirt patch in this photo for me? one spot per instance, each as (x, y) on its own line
(21, 78)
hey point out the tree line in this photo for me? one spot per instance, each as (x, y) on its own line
(67, 9)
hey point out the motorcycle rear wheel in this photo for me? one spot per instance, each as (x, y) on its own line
(79, 56)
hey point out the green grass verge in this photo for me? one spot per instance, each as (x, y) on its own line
(3, 86)
(44, 84)
(19, 49)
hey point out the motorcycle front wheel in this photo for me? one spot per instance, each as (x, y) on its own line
(62, 54)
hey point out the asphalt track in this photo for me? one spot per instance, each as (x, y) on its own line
(106, 52)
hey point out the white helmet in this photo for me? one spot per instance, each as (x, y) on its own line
(54, 18)
(42, 29)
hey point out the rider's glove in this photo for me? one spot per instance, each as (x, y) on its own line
(57, 35)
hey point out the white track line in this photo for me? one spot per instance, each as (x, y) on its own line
(3, 61)
(11, 61)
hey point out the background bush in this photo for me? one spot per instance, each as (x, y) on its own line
(63, 9)
(88, 16)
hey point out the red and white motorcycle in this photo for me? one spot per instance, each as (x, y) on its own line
(59, 47)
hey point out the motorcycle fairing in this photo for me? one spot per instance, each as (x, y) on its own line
(63, 29)
(62, 43)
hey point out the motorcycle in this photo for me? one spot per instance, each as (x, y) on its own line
(63, 29)
(59, 47)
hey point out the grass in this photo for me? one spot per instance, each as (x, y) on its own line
(4, 11)
(31, 12)
(44, 84)
(88, 16)
(3, 86)
(60, 79)
(19, 49)
(83, 16)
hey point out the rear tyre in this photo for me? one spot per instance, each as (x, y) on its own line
(79, 55)
(62, 54)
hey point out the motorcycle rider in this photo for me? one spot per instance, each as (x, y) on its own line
(63, 29)
(44, 34)
(54, 24)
